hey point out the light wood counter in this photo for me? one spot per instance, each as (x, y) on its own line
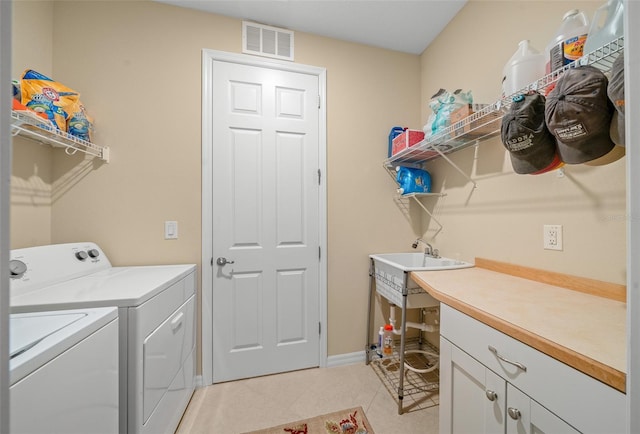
(581, 322)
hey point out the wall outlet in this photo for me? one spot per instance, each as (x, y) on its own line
(552, 235)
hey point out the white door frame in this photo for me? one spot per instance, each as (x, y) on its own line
(208, 57)
(5, 172)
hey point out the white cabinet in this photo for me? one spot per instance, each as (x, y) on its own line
(492, 383)
(526, 416)
(472, 397)
(480, 401)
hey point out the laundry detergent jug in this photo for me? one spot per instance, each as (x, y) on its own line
(412, 180)
(523, 68)
(568, 43)
(606, 26)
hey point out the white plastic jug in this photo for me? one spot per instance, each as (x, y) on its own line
(523, 68)
(607, 25)
(568, 44)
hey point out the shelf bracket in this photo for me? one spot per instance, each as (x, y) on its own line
(454, 165)
(415, 197)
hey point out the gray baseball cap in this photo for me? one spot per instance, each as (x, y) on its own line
(530, 144)
(615, 91)
(578, 113)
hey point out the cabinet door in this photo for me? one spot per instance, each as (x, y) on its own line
(526, 416)
(472, 397)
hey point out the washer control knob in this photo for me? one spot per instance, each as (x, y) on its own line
(17, 268)
(81, 255)
(94, 253)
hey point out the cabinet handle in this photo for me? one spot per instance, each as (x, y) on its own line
(514, 413)
(491, 395)
(504, 359)
(177, 321)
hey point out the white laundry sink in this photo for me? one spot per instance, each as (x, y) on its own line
(418, 261)
(391, 274)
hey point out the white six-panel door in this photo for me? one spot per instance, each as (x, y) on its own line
(265, 221)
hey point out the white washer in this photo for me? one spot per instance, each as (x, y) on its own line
(64, 372)
(156, 312)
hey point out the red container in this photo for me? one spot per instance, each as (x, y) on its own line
(407, 139)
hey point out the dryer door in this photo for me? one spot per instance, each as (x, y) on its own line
(165, 349)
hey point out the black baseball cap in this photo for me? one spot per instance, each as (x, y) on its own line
(524, 134)
(578, 113)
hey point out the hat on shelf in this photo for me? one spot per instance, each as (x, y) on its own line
(615, 91)
(578, 113)
(530, 144)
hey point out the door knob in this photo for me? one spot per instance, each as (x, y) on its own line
(223, 261)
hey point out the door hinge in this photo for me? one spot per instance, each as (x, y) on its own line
(319, 253)
(212, 261)
(319, 176)
(319, 328)
(319, 101)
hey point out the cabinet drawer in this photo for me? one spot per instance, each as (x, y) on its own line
(587, 404)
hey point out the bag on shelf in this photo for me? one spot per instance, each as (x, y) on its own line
(443, 103)
(80, 123)
(44, 95)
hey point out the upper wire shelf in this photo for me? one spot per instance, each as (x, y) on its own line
(32, 126)
(485, 123)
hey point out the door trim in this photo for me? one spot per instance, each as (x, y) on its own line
(208, 57)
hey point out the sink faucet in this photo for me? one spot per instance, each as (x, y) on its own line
(428, 250)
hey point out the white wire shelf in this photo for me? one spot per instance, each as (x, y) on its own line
(485, 123)
(32, 126)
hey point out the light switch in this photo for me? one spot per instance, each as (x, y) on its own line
(171, 230)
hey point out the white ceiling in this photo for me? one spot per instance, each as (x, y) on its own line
(402, 25)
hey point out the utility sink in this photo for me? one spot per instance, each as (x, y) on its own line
(418, 261)
(391, 272)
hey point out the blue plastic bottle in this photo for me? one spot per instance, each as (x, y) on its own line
(412, 180)
(395, 131)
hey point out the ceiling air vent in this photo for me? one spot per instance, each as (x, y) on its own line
(267, 41)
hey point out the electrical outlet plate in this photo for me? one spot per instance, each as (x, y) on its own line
(552, 236)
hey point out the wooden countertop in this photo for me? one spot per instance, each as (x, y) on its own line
(581, 322)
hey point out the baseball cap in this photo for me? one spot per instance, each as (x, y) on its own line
(615, 91)
(524, 134)
(578, 113)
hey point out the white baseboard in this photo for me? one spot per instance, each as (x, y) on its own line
(346, 359)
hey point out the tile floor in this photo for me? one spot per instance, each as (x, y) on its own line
(245, 405)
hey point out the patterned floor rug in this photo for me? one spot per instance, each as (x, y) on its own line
(350, 421)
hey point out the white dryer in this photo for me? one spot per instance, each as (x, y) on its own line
(156, 313)
(63, 372)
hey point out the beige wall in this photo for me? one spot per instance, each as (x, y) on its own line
(31, 177)
(137, 66)
(138, 70)
(502, 218)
